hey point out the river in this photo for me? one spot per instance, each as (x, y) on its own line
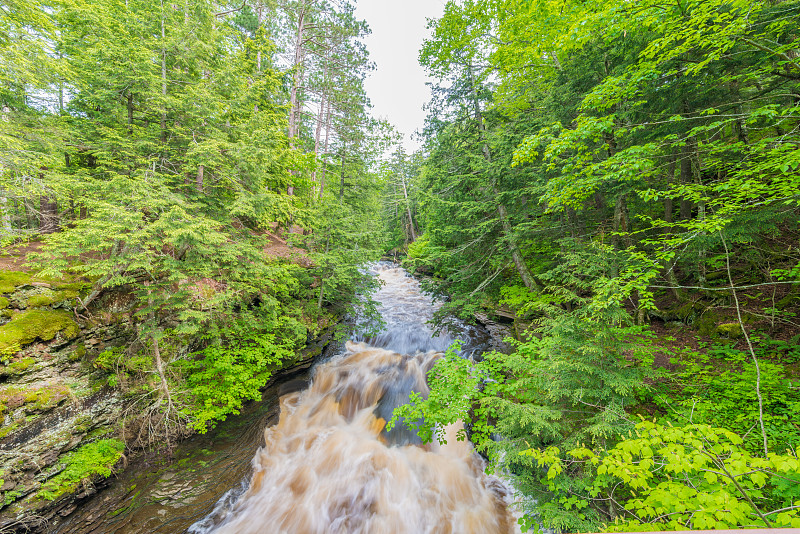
(327, 464)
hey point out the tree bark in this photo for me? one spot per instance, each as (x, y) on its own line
(325, 150)
(599, 201)
(317, 137)
(297, 77)
(297, 81)
(621, 222)
(701, 210)
(49, 213)
(199, 181)
(6, 216)
(408, 209)
(129, 105)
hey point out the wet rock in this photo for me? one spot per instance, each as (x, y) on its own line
(64, 512)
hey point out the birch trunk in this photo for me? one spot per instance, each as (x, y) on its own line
(325, 150)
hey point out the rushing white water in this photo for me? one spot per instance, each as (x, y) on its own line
(329, 466)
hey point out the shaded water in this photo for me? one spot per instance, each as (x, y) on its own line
(329, 466)
(326, 463)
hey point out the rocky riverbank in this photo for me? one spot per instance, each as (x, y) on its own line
(59, 420)
(63, 413)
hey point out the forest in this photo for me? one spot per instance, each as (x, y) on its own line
(616, 182)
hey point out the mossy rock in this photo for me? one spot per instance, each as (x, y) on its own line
(19, 367)
(76, 287)
(49, 298)
(82, 424)
(42, 299)
(44, 398)
(78, 353)
(707, 324)
(4, 302)
(31, 325)
(792, 299)
(40, 399)
(9, 280)
(686, 312)
(731, 330)
(91, 460)
(6, 430)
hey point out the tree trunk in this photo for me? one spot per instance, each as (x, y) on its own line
(200, 173)
(599, 202)
(701, 211)
(325, 150)
(297, 78)
(297, 81)
(621, 223)
(511, 242)
(130, 112)
(669, 204)
(163, 77)
(49, 213)
(686, 172)
(6, 216)
(30, 217)
(408, 210)
(317, 137)
(341, 180)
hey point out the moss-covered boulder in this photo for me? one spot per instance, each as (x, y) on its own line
(707, 324)
(44, 298)
(731, 330)
(26, 327)
(51, 298)
(10, 280)
(686, 312)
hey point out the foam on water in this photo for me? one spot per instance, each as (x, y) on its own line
(329, 466)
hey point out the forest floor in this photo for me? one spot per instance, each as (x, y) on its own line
(279, 248)
(14, 257)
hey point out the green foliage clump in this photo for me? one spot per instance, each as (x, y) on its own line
(715, 387)
(9, 280)
(31, 325)
(233, 368)
(422, 255)
(671, 478)
(4, 302)
(108, 359)
(94, 459)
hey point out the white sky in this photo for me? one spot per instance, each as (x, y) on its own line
(397, 87)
